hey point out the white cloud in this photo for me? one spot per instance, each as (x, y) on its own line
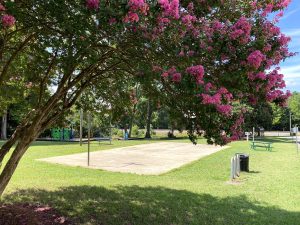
(292, 70)
(292, 32)
(292, 84)
(288, 14)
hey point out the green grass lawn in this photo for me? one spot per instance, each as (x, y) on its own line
(197, 193)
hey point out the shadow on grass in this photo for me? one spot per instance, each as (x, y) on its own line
(154, 205)
(254, 172)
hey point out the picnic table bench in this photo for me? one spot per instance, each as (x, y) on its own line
(263, 144)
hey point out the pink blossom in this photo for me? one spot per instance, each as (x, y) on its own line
(255, 59)
(209, 49)
(191, 53)
(268, 9)
(156, 68)
(254, 4)
(251, 76)
(181, 53)
(176, 77)
(136, 4)
(2, 8)
(217, 25)
(190, 7)
(253, 100)
(267, 48)
(236, 128)
(165, 75)
(208, 99)
(261, 76)
(92, 4)
(208, 87)
(283, 3)
(197, 72)
(131, 17)
(172, 70)
(224, 109)
(188, 19)
(241, 30)
(170, 8)
(283, 40)
(112, 21)
(163, 21)
(8, 20)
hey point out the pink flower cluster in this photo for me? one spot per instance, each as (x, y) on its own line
(275, 80)
(197, 72)
(221, 95)
(8, 20)
(241, 30)
(176, 77)
(224, 109)
(260, 75)
(255, 59)
(135, 7)
(92, 4)
(283, 3)
(170, 8)
(2, 8)
(172, 72)
(131, 17)
(188, 19)
(139, 6)
(211, 99)
(236, 128)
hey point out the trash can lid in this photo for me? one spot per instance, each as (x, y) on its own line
(242, 155)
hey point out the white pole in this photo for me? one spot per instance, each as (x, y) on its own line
(253, 133)
(232, 168)
(237, 165)
(89, 136)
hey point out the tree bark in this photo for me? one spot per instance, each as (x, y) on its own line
(131, 121)
(14, 160)
(4, 126)
(8, 144)
(24, 135)
(148, 121)
(35, 123)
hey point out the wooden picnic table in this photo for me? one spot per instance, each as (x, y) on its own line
(263, 144)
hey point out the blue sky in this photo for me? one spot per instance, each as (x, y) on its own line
(290, 25)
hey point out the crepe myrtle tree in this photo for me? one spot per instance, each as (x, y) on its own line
(223, 55)
(203, 56)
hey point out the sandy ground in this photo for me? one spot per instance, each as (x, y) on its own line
(146, 159)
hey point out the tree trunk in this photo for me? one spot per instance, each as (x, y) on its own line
(9, 143)
(13, 161)
(4, 126)
(131, 121)
(148, 122)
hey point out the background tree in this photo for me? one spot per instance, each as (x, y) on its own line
(261, 117)
(294, 106)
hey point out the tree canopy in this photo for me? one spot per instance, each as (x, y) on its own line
(199, 57)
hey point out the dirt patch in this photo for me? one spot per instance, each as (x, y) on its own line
(28, 214)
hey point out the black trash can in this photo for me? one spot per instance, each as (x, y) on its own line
(244, 162)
